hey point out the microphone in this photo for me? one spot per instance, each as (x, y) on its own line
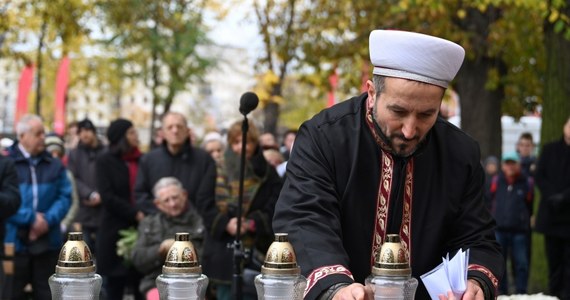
(248, 102)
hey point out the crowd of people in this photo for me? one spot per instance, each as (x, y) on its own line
(351, 175)
(103, 184)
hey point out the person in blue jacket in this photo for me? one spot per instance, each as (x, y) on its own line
(46, 197)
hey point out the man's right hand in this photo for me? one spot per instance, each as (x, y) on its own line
(355, 291)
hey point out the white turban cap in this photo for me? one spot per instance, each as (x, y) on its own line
(415, 56)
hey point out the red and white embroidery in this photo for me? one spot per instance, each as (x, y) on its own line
(486, 272)
(323, 272)
(383, 204)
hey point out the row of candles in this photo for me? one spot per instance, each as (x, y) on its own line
(75, 277)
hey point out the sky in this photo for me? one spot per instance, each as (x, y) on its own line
(238, 29)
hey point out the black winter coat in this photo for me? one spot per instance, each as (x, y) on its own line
(9, 194)
(553, 178)
(82, 163)
(118, 212)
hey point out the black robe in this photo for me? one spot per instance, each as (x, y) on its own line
(329, 201)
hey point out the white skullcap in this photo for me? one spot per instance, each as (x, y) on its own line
(415, 56)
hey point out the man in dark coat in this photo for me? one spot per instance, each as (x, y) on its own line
(384, 163)
(553, 218)
(9, 202)
(176, 157)
(81, 163)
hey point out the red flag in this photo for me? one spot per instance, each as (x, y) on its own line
(333, 80)
(24, 86)
(60, 91)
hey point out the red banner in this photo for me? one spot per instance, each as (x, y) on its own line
(60, 92)
(24, 86)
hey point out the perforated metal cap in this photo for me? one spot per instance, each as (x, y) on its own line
(182, 257)
(281, 258)
(392, 259)
(75, 256)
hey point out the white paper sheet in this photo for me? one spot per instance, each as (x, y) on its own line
(450, 275)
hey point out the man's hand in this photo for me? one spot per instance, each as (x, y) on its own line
(473, 292)
(94, 200)
(355, 291)
(39, 228)
(231, 228)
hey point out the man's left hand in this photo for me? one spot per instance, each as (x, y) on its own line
(473, 292)
(38, 228)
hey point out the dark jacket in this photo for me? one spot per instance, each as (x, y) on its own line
(152, 231)
(553, 179)
(512, 202)
(9, 194)
(330, 203)
(54, 200)
(118, 212)
(217, 257)
(194, 167)
(81, 162)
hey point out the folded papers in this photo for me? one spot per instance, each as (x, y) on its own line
(450, 275)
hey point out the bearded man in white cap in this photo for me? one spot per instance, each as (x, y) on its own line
(385, 163)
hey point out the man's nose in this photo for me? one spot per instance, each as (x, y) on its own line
(409, 128)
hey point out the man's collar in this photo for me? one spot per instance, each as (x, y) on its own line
(25, 153)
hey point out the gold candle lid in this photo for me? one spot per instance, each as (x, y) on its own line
(75, 256)
(280, 258)
(392, 260)
(182, 257)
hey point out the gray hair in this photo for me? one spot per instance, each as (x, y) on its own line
(23, 125)
(166, 182)
(379, 83)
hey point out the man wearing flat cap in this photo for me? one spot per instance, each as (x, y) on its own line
(385, 163)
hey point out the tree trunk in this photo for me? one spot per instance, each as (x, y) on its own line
(556, 103)
(39, 63)
(155, 83)
(480, 108)
(271, 111)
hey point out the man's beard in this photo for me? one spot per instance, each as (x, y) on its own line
(399, 151)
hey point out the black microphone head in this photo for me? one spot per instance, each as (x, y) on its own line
(248, 102)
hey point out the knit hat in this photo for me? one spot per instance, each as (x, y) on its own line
(117, 130)
(85, 124)
(54, 143)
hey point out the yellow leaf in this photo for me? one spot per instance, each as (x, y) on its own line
(461, 14)
(553, 16)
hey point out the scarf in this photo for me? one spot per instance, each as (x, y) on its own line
(251, 182)
(132, 160)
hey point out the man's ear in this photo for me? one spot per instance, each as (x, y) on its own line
(371, 94)
(156, 201)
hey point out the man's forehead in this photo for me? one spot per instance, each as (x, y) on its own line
(170, 189)
(173, 119)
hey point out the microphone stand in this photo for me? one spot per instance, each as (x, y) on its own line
(239, 254)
